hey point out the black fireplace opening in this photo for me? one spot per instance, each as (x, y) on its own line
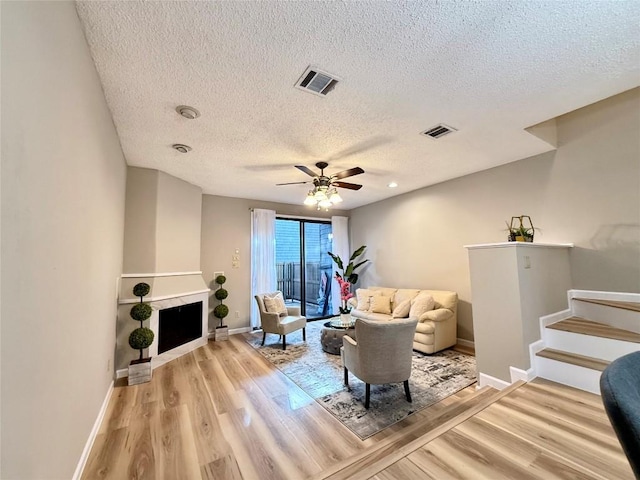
(179, 325)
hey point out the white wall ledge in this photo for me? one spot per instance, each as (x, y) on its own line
(519, 244)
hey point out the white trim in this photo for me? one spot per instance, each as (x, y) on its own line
(485, 380)
(122, 373)
(92, 436)
(597, 295)
(519, 244)
(555, 317)
(164, 297)
(298, 217)
(519, 374)
(552, 318)
(465, 343)
(232, 331)
(235, 331)
(161, 274)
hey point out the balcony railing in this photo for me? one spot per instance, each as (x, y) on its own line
(288, 277)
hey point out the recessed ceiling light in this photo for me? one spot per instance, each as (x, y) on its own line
(187, 111)
(181, 148)
(392, 185)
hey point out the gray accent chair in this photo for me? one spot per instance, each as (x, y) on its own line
(280, 325)
(380, 354)
(620, 389)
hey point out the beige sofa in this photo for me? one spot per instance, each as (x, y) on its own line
(436, 329)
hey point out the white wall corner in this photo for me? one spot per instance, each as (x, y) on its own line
(519, 374)
(92, 436)
(533, 349)
(485, 380)
(553, 318)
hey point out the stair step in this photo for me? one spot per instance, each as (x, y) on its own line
(573, 359)
(595, 329)
(633, 306)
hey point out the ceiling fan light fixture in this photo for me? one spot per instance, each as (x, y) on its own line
(320, 194)
(326, 203)
(335, 196)
(311, 199)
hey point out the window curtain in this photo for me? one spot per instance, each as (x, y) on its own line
(340, 247)
(263, 257)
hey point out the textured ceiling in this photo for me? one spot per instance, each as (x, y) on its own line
(489, 69)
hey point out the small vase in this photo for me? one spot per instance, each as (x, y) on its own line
(345, 318)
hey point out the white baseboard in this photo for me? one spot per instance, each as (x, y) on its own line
(487, 380)
(232, 331)
(92, 436)
(122, 373)
(465, 343)
(519, 374)
(235, 331)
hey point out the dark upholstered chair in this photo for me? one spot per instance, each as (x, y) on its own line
(620, 388)
(381, 354)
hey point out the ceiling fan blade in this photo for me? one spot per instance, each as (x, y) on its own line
(291, 183)
(350, 186)
(349, 173)
(306, 170)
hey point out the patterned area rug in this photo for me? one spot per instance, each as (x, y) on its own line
(320, 375)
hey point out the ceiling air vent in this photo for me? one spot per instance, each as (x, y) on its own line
(438, 131)
(316, 81)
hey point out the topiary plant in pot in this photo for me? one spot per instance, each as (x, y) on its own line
(141, 337)
(221, 310)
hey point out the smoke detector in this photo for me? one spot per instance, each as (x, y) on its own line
(187, 112)
(181, 148)
(316, 81)
(438, 131)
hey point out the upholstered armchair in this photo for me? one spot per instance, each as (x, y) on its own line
(620, 388)
(282, 322)
(380, 354)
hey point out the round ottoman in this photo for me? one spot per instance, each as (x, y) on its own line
(331, 338)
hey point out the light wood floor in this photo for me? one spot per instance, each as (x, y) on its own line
(225, 412)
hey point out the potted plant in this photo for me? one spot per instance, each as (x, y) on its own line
(520, 232)
(348, 277)
(221, 310)
(141, 337)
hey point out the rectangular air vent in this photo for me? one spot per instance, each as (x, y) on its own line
(438, 131)
(316, 81)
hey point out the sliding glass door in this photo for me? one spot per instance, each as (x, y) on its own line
(303, 267)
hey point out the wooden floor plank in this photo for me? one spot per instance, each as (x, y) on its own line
(456, 449)
(404, 469)
(225, 412)
(590, 452)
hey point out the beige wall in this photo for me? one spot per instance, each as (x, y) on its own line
(140, 220)
(226, 226)
(162, 223)
(63, 191)
(587, 192)
(178, 225)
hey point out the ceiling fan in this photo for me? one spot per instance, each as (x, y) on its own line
(325, 181)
